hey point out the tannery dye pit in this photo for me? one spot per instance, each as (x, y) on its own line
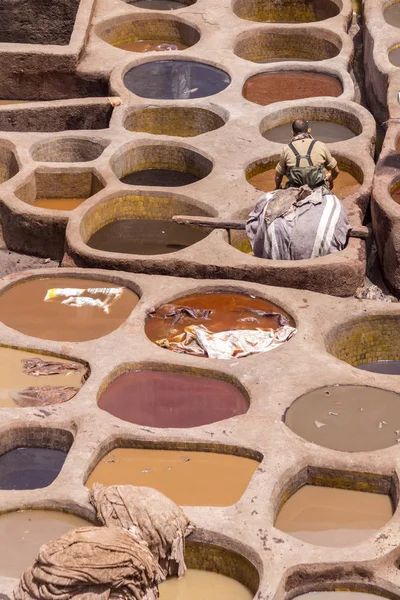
(334, 517)
(24, 532)
(325, 131)
(66, 309)
(172, 399)
(30, 468)
(198, 585)
(189, 478)
(349, 418)
(158, 4)
(338, 595)
(392, 14)
(160, 177)
(59, 203)
(267, 88)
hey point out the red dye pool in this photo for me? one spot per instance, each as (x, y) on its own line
(167, 399)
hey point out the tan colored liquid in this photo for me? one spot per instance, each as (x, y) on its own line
(59, 203)
(151, 46)
(22, 307)
(188, 478)
(334, 517)
(23, 533)
(3, 102)
(12, 377)
(339, 595)
(203, 585)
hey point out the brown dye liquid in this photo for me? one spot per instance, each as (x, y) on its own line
(351, 418)
(22, 307)
(267, 88)
(12, 377)
(392, 15)
(162, 177)
(24, 532)
(59, 203)
(158, 4)
(334, 517)
(229, 311)
(394, 57)
(188, 478)
(396, 195)
(151, 46)
(339, 595)
(168, 399)
(324, 131)
(200, 585)
(4, 102)
(145, 236)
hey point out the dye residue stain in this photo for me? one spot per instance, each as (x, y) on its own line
(24, 532)
(30, 468)
(160, 177)
(23, 307)
(145, 236)
(59, 203)
(334, 517)
(151, 46)
(168, 399)
(392, 14)
(385, 367)
(197, 584)
(188, 478)
(158, 4)
(13, 378)
(267, 88)
(324, 131)
(349, 418)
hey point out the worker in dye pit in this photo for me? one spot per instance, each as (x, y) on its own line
(305, 161)
(304, 220)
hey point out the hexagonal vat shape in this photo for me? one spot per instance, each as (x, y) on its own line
(369, 343)
(350, 418)
(285, 11)
(392, 13)
(160, 165)
(328, 507)
(328, 124)
(140, 225)
(267, 88)
(280, 45)
(158, 395)
(32, 457)
(176, 79)
(8, 164)
(68, 150)
(146, 34)
(66, 308)
(214, 569)
(182, 121)
(28, 378)
(189, 474)
(27, 530)
(213, 313)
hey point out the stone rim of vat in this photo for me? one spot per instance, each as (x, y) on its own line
(218, 115)
(324, 476)
(245, 41)
(10, 159)
(336, 339)
(79, 230)
(44, 150)
(186, 31)
(341, 8)
(159, 367)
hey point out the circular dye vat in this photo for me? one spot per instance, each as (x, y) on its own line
(324, 131)
(159, 4)
(394, 56)
(385, 367)
(392, 14)
(395, 192)
(188, 478)
(197, 584)
(285, 11)
(23, 307)
(30, 468)
(145, 236)
(15, 379)
(169, 399)
(271, 87)
(217, 311)
(151, 46)
(334, 517)
(24, 532)
(339, 595)
(160, 177)
(351, 418)
(176, 79)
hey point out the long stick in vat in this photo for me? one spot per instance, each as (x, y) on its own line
(359, 232)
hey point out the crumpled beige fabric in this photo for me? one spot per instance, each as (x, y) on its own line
(92, 563)
(153, 517)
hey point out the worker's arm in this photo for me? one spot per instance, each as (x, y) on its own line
(332, 168)
(280, 170)
(278, 181)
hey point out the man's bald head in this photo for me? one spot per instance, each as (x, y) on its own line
(300, 126)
